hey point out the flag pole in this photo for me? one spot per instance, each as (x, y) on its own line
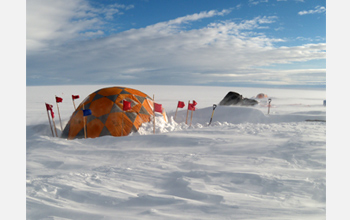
(176, 112)
(48, 116)
(191, 118)
(83, 120)
(269, 105)
(59, 115)
(74, 103)
(123, 120)
(187, 110)
(154, 118)
(54, 125)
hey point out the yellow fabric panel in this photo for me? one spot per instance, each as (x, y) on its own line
(116, 121)
(148, 105)
(94, 128)
(109, 91)
(138, 122)
(165, 116)
(101, 106)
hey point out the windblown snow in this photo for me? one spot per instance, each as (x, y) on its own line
(246, 165)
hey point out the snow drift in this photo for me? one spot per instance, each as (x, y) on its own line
(245, 165)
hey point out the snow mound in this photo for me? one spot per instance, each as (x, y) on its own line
(223, 115)
(237, 115)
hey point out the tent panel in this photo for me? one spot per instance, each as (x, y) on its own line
(80, 134)
(86, 102)
(113, 97)
(115, 108)
(76, 124)
(97, 96)
(140, 98)
(94, 128)
(148, 105)
(110, 91)
(101, 106)
(113, 124)
(105, 132)
(145, 118)
(103, 118)
(136, 92)
(138, 122)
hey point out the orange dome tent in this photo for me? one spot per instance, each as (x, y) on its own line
(107, 115)
(261, 96)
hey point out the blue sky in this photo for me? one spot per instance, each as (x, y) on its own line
(266, 43)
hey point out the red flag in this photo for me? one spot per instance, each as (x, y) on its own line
(191, 106)
(180, 104)
(126, 105)
(158, 108)
(75, 97)
(49, 108)
(194, 103)
(58, 99)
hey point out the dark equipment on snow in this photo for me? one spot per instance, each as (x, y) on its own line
(234, 98)
(212, 114)
(269, 105)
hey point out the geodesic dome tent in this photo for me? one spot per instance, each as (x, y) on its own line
(107, 115)
(261, 96)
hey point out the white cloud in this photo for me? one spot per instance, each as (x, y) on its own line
(51, 22)
(318, 9)
(90, 34)
(166, 53)
(309, 39)
(111, 10)
(175, 24)
(255, 2)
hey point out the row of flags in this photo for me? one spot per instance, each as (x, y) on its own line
(126, 107)
(59, 99)
(49, 108)
(191, 107)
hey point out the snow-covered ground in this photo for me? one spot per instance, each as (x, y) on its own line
(245, 165)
